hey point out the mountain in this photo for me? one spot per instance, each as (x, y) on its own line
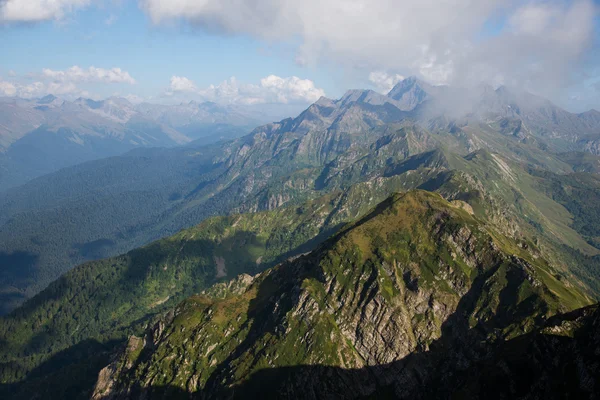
(41, 136)
(415, 285)
(412, 92)
(62, 337)
(107, 207)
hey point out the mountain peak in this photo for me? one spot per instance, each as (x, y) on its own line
(325, 102)
(354, 94)
(47, 99)
(364, 96)
(410, 92)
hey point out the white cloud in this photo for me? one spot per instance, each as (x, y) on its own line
(92, 74)
(63, 83)
(26, 91)
(289, 90)
(39, 89)
(37, 10)
(443, 41)
(7, 89)
(384, 81)
(181, 84)
(12, 73)
(271, 89)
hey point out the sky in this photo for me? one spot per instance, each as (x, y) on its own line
(293, 52)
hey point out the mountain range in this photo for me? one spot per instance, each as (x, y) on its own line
(105, 207)
(41, 136)
(373, 246)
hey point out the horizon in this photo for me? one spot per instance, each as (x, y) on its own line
(296, 108)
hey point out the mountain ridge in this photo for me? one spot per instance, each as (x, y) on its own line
(303, 311)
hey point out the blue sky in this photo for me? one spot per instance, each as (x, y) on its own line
(123, 36)
(175, 50)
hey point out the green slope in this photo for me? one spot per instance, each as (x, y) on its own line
(415, 272)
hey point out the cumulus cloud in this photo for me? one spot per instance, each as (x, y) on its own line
(37, 10)
(181, 84)
(288, 90)
(442, 41)
(384, 81)
(7, 89)
(271, 89)
(92, 74)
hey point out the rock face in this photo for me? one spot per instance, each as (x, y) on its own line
(401, 304)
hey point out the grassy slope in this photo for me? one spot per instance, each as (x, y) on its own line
(300, 312)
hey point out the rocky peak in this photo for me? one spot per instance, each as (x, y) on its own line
(325, 102)
(50, 100)
(410, 92)
(363, 96)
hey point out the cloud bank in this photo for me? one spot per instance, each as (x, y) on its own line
(92, 74)
(63, 82)
(271, 89)
(530, 43)
(542, 46)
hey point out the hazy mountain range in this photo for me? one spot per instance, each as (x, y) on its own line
(299, 265)
(40, 136)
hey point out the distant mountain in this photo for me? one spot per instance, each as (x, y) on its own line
(41, 136)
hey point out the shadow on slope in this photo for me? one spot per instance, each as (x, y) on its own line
(78, 365)
(18, 270)
(464, 363)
